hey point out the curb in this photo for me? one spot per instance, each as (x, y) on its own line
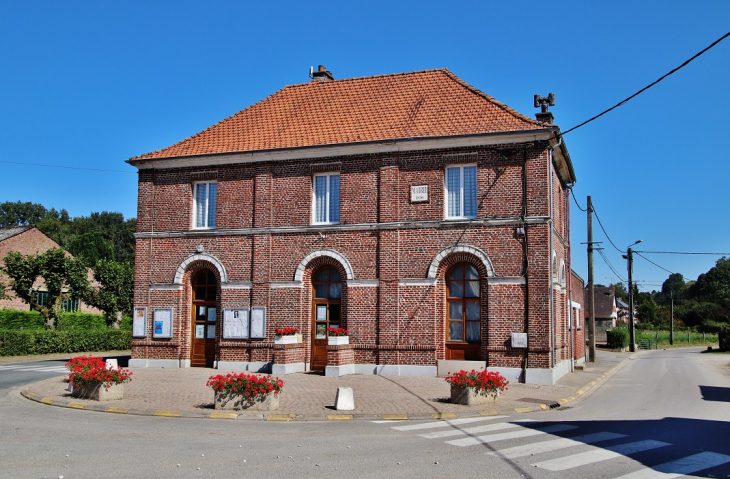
(29, 394)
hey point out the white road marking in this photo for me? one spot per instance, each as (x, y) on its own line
(452, 422)
(598, 455)
(470, 430)
(471, 441)
(554, 445)
(680, 467)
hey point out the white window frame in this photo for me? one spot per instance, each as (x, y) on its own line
(205, 208)
(461, 192)
(328, 204)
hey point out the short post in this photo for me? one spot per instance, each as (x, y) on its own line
(345, 399)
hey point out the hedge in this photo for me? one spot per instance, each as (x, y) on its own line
(617, 338)
(22, 343)
(13, 319)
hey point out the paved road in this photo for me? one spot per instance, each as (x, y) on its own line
(663, 415)
(16, 375)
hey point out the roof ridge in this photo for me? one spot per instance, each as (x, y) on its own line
(491, 99)
(368, 77)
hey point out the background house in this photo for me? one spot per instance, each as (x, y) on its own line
(29, 240)
(414, 210)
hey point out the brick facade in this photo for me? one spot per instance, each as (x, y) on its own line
(392, 253)
(28, 240)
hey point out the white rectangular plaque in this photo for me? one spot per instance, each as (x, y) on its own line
(419, 193)
(519, 340)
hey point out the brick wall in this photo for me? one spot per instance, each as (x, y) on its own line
(264, 232)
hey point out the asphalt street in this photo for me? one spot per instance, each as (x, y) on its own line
(664, 414)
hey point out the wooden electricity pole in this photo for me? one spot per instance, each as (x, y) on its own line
(591, 309)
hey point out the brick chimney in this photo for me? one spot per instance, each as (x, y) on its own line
(322, 74)
(545, 117)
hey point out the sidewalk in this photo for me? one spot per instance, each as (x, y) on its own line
(310, 396)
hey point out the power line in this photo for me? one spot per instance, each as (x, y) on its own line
(608, 263)
(68, 167)
(650, 85)
(681, 252)
(660, 267)
(576, 201)
(604, 231)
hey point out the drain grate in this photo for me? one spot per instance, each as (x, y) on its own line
(551, 403)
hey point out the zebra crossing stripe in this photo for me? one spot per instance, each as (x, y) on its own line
(470, 430)
(471, 441)
(554, 445)
(680, 467)
(450, 422)
(598, 455)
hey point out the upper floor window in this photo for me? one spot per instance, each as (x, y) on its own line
(326, 198)
(204, 204)
(461, 192)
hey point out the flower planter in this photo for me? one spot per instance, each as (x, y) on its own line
(338, 340)
(97, 392)
(237, 401)
(469, 396)
(288, 339)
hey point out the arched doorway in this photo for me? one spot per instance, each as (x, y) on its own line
(463, 313)
(205, 289)
(326, 311)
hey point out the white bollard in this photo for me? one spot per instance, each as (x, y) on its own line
(345, 400)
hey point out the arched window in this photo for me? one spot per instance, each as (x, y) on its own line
(463, 304)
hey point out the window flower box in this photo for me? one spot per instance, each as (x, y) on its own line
(289, 339)
(338, 340)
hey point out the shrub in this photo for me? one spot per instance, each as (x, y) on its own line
(73, 321)
(21, 343)
(617, 338)
(16, 319)
(724, 337)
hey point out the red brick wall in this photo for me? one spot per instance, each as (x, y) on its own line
(391, 323)
(31, 242)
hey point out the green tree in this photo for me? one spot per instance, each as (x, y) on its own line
(115, 291)
(675, 287)
(64, 278)
(91, 248)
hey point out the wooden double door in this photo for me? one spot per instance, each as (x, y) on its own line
(204, 324)
(326, 312)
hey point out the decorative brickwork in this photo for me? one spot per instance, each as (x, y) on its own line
(391, 253)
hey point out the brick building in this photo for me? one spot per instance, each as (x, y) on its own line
(29, 240)
(417, 212)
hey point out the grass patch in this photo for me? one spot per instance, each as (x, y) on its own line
(682, 339)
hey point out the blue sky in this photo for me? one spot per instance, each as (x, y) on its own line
(90, 84)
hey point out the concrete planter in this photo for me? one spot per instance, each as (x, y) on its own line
(469, 396)
(97, 392)
(237, 401)
(288, 339)
(338, 340)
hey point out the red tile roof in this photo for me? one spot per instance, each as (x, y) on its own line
(405, 105)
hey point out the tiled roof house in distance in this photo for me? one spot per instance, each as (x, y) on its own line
(413, 210)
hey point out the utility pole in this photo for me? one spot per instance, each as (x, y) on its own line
(630, 258)
(591, 309)
(632, 339)
(671, 321)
